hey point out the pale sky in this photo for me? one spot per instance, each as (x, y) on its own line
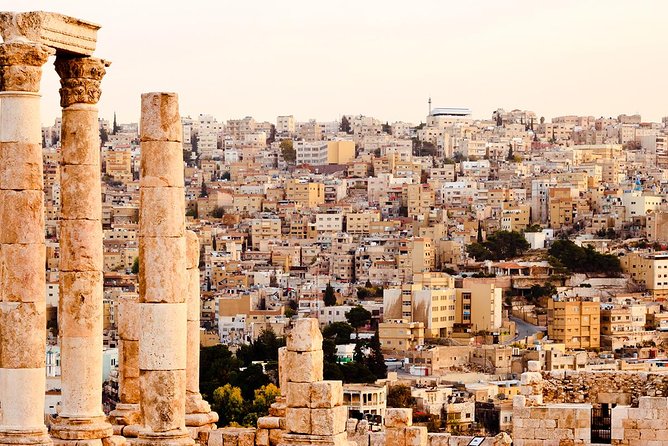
(317, 59)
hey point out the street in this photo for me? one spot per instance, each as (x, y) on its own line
(524, 329)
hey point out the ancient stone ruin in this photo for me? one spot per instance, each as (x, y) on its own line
(160, 403)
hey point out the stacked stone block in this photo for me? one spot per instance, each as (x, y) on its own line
(127, 412)
(22, 248)
(550, 425)
(199, 417)
(162, 274)
(531, 384)
(645, 425)
(399, 429)
(232, 436)
(315, 413)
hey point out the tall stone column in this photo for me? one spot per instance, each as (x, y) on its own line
(22, 248)
(198, 412)
(80, 310)
(127, 410)
(162, 274)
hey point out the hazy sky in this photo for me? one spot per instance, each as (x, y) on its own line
(317, 59)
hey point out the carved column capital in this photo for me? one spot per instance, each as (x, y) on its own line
(80, 79)
(21, 65)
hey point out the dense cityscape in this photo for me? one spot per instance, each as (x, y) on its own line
(449, 252)
(472, 278)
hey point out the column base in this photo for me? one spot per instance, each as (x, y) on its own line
(196, 404)
(125, 414)
(177, 437)
(33, 437)
(314, 440)
(201, 419)
(81, 429)
(93, 442)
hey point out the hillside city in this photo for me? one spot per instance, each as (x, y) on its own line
(441, 259)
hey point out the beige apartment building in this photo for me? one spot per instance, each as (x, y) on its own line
(418, 199)
(398, 335)
(340, 152)
(118, 164)
(479, 305)
(575, 323)
(515, 217)
(264, 229)
(649, 269)
(429, 299)
(247, 203)
(657, 226)
(307, 194)
(360, 222)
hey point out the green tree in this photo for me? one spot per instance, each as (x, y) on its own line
(265, 396)
(339, 332)
(135, 266)
(533, 228)
(229, 404)
(288, 151)
(250, 378)
(204, 191)
(104, 136)
(355, 372)
(218, 212)
(565, 253)
(499, 245)
(345, 125)
(115, 128)
(218, 366)
(375, 360)
(511, 155)
(358, 317)
(329, 296)
(399, 396)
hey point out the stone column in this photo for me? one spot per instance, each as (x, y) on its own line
(198, 412)
(127, 410)
(80, 311)
(162, 274)
(315, 412)
(22, 248)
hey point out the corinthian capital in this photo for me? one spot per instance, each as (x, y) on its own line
(80, 79)
(21, 65)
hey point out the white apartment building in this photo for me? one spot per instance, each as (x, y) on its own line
(314, 153)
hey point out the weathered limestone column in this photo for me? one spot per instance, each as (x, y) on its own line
(22, 249)
(198, 412)
(127, 410)
(162, 274)
(81, 255)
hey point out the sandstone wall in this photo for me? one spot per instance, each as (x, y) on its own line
(594, 387)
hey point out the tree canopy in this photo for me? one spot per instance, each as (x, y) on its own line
(329, 297)
(358, 317)
(229, 404)
(288, 151)
(339, 332)
(499, 245)
(399, 396)
(566, 254)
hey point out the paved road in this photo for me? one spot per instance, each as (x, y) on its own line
(524, 329)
